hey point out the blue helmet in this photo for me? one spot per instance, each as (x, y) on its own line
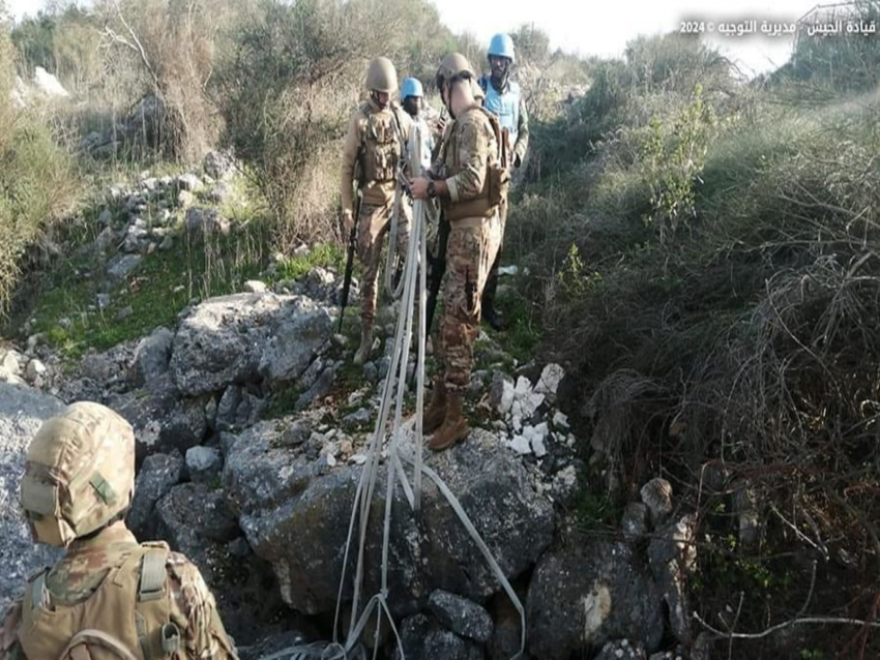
(502, 46)
(411, 87)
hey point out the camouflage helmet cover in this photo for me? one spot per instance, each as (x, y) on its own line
(79, 473)
(382, 76)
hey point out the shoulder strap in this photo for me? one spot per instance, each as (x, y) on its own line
(158, 635)
(77, 648)
(153, 576)
(38, 589)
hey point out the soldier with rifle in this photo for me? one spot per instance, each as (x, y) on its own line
(371, 162)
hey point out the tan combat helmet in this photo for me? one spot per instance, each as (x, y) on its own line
(382, 76)
(79, 474)
(455, 65)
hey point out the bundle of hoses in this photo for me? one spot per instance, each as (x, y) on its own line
(401, 197)
(414, 282)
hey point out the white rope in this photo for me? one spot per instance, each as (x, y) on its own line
(395, 384)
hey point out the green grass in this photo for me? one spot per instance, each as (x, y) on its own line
(157, 291)
(326, 255)
(524, 331)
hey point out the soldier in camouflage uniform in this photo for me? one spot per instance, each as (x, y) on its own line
(371, 156)
(470, 179)
(108, 597)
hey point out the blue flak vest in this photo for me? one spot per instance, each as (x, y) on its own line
(505, 106)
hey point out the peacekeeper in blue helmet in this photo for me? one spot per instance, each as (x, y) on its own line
(504, 99)
(412, 97)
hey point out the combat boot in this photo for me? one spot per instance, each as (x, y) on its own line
(454, 428)
(436, 412)
(363, 351)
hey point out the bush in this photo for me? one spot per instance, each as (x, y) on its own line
(294, 76)
(168, 48)
(37, 185)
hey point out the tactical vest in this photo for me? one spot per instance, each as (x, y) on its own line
(381, 142)
(504, 105)
(128, 616)
(497, 180)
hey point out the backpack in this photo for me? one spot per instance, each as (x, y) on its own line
(128, 617)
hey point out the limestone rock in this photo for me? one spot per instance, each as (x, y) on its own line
(203, 463)
(206, 222)
(605, 584)
(247, 338)
(162, 419)
(158, 474)
(290, 506)
(461, 616)
(153, 355)
(123, 265)
(657, 496)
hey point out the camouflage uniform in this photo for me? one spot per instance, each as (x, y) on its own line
(474, 238)
(82, 574)
(373, 146)
(108, 597)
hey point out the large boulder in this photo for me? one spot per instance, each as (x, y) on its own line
(153, 355)
(196, 520)
(163, 420)
(424, 639)
(159, 473)
(294, 512)
(581, 598)
(22, 410)
(245, 338)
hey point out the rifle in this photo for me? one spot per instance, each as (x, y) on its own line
(438, 269)
(349, 263)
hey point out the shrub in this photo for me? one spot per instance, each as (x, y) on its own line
(36, 180)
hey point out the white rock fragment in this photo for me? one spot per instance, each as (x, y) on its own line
(507, 396)
(560, 421)
(550, 378)
(520, 444)
(537, 436)
(526, 401)
(358, 459)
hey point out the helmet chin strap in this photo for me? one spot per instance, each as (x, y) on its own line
(499, 83)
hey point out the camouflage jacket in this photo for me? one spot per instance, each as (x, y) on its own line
(81, 573)
(469, 150)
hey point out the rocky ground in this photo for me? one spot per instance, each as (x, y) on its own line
(252, 427)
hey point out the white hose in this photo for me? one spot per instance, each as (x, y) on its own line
(395, 384)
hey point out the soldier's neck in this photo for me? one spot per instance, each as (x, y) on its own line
(115, 533)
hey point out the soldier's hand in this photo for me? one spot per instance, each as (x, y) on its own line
(419, 188)
(348, 222)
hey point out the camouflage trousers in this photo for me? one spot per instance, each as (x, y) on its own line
(471, 250)
(374, 222)
(492, 281)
